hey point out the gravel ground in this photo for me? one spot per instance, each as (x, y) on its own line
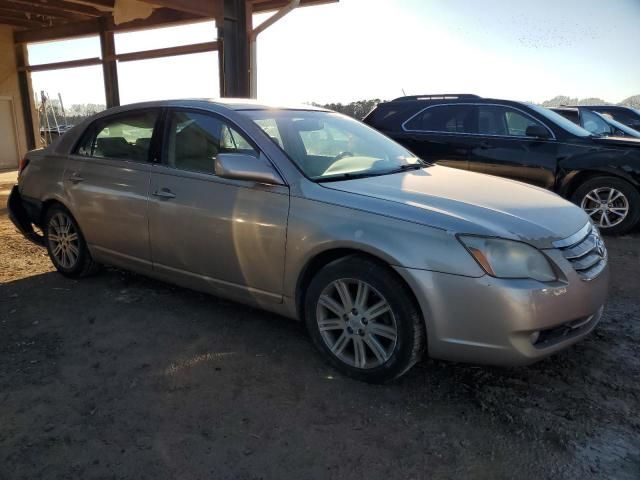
(119, 376)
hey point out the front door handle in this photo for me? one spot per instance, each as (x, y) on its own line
(485, 145)
(164, 193)
(75, 178)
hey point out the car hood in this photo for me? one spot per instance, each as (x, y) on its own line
(618, 141)
(467, 202)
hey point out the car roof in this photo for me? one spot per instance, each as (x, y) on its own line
(449, 98)
(237, 104)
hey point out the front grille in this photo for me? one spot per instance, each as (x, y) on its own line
(585, 251)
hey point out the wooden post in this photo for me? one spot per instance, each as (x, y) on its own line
(109, 69)
(25, 95)
(233, 57)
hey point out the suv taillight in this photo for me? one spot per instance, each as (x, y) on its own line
(23, 164)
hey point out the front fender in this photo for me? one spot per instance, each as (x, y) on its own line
(622, 163)
(316, 227)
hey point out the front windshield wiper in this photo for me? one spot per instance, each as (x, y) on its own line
(411, 166)
(348, 176)
(351, 175)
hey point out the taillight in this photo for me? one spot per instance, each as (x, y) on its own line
(23, 164)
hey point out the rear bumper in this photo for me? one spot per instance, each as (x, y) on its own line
(491, 321)
(22, 216)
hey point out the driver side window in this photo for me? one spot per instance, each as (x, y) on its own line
(594, 124)
(195, 140)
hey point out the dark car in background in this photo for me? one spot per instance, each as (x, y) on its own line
(524, 142)
(627, 115)
(595, 122)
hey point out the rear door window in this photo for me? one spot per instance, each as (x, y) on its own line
(444, 118)
(123, 137)
(497, 120)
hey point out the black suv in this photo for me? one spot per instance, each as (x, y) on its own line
(600, 124)
(524, 142)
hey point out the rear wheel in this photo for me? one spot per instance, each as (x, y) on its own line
(364, 321)
(612, 203)
(66, 246)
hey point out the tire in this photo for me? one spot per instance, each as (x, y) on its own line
(362, 338)
(626, 200)
(66, 245)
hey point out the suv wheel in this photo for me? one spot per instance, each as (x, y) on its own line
(361, 317)
(66, 246)
(612, 203)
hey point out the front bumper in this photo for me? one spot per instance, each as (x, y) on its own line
(21, 218)
(491, 321)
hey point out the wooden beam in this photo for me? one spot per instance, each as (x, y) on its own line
(63, 6)
(83, 62)
(16, 6)
(101, 5)
(261, 6)
(168, 52)
(30, 17)
(84, 28)
(159, 18)
(203, 8)
(20, 22)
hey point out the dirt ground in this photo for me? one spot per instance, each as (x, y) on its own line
(119, 376)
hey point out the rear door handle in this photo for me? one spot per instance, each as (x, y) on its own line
(484, 145)
(75, 178)
(164, 193)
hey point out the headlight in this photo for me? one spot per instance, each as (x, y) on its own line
(508, 259)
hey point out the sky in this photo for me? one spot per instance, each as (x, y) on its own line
(363, 49)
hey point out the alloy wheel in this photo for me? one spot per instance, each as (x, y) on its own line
(63, 240)
(606, 206)
(356, 323)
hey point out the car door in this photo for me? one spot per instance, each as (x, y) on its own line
(219, 235)
(440, 134)
(107, 183)
(503, 148)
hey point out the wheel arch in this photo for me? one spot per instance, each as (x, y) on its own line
(573, 180)
(320, 259)
(47, 204)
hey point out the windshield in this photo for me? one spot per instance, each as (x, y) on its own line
(559, 120)
(620, 126)
(327, 145)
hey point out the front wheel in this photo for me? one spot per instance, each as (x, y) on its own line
(612, 203)
(363, 320)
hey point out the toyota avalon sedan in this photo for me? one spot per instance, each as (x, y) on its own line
(318, 217)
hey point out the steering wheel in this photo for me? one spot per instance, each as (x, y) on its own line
(342, 155)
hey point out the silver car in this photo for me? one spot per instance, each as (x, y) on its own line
(315, 216)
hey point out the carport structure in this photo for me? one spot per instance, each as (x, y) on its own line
(31, 21)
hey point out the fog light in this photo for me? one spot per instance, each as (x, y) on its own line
(534, 337)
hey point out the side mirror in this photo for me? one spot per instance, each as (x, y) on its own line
(537, 131)
(240, 166)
